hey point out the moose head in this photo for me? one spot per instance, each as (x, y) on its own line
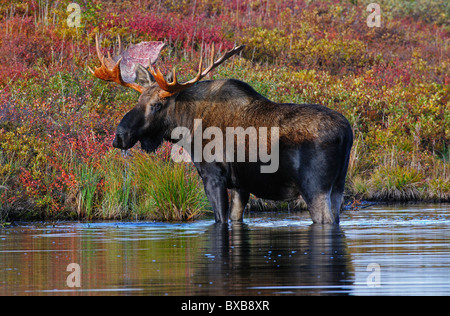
(147, 121)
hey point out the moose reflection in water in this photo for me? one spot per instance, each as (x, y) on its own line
(269, 254)
(296, 260)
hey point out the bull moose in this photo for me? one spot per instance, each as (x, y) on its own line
(313, 142)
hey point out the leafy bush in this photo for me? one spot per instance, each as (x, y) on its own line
(57, 121)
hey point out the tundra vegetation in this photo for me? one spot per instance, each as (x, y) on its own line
(57, 121)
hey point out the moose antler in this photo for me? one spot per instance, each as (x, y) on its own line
(112, 68)
(171, 88)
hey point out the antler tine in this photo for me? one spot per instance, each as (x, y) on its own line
(199, 75)
(99, 54)
(169, 89)
(110, 70)
(97, 47)
(159, 77)
(211, 63)
(227, 55)
(120, 45)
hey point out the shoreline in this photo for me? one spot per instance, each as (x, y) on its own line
(57, 121)
(348, 205)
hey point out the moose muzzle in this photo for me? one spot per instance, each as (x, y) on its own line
(123, 139)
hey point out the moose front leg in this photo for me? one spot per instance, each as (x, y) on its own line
(239, 199)
(216, 192)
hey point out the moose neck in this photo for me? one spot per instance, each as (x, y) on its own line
(216, 102)
(186, 107)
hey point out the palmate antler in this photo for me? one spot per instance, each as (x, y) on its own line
(146, 53)
(171, 88)
(121, 68)
(110, 69)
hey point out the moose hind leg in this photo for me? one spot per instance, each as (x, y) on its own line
(239, 199)
(337, 194)
(319, 206)
(318, 200)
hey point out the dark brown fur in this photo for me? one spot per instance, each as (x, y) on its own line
(314, 142)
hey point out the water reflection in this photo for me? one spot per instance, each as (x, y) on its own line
(269, 254)
(291, 260)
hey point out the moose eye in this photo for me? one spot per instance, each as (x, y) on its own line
(156, 107)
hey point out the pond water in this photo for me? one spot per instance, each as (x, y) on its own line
(379, 250)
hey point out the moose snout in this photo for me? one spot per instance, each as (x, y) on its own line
(122, 140)
(117, 142)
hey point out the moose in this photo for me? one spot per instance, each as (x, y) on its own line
(313, 142)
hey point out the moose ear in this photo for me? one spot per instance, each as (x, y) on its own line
(143, 76)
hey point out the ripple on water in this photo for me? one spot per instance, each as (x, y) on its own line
(271, 253)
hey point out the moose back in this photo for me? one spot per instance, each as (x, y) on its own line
(247, 144)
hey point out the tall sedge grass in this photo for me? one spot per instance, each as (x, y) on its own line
(397, 184)
(57, 121)
(395, 180)
(167, 190)
(89, 178)
(143, 186)
(117, 190)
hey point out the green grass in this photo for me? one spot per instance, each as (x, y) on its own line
(89, 180)
(145, 186)
(167, 190)
(57, 121)
(118, 187)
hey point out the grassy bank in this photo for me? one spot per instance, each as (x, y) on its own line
(57, 121)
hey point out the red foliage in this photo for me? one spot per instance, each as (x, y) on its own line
(185, 31)
(23, 46)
